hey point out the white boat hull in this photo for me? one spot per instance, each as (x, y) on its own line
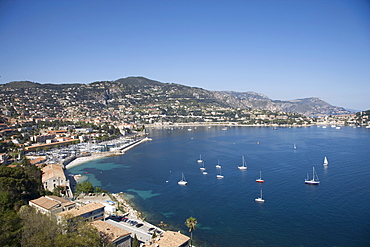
(259, 199)
(312, 182)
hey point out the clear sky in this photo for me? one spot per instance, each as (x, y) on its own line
(285, 49)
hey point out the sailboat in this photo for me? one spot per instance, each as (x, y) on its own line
(294, 146)
(326, 161)
(219, 175)
(202, 168)
(200, 159)
(260, 180)
(218, 164)
(183, 180)
(259, 199)
(314, 180)
(243, 166)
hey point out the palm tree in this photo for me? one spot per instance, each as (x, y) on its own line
(191, 223)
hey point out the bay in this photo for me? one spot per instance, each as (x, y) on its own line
(334, 213)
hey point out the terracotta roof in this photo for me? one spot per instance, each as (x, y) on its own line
(113, 231)
(51, 171)
(82, 210)
(12, 166)
(44, 202)
(48, 202)
(61, 200)
(170, 239)
(37, 160)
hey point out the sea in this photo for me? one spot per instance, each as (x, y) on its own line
(334, 213)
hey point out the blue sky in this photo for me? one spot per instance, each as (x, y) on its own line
(285, 49)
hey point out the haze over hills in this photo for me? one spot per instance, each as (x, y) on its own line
(143, 91)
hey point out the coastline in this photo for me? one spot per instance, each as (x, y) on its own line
(227, 124)
(96, 156)
(126, 206)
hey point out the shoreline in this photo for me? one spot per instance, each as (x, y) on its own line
(96, 156)
(229, 124)
(124, 202)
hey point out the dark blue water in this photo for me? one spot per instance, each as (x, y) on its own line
(334, 213)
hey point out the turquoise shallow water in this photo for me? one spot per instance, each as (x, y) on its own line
(334, 213)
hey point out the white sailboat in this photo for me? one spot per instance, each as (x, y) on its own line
(294, 146)
(260, 180)
(200, 159)
(325, 161)
(259, 199)
(202, 168)
(183, 180)
(314, 180)
(219, 175)
(243, 166)
(218, 164)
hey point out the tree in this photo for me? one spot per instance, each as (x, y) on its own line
(191, 223)
(42, 230)
(135, 242)
(59, 191)
(10, 228)
(97, 189)
(21, 183)
(84, 187)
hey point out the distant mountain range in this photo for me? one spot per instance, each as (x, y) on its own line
(146, 91)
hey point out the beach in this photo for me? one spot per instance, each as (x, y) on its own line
(93, 156)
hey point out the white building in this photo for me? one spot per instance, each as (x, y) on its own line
(53, 176)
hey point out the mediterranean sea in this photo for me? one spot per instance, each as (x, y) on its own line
(334, 213)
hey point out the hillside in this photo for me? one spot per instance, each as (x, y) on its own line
(141, 92)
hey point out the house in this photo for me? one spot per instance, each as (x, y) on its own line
(116, 236)
(51, 205)
(50, 145)
(53, 176)
(91, 211)
(169, 239)
(37, 160)
(3, 158)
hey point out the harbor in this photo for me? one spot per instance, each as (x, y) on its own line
(119, 149)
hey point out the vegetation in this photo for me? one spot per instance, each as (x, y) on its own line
(135, 242)
(21, 225)
(20, 184)
(84, 187)
(41, 230)
(191, 223)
